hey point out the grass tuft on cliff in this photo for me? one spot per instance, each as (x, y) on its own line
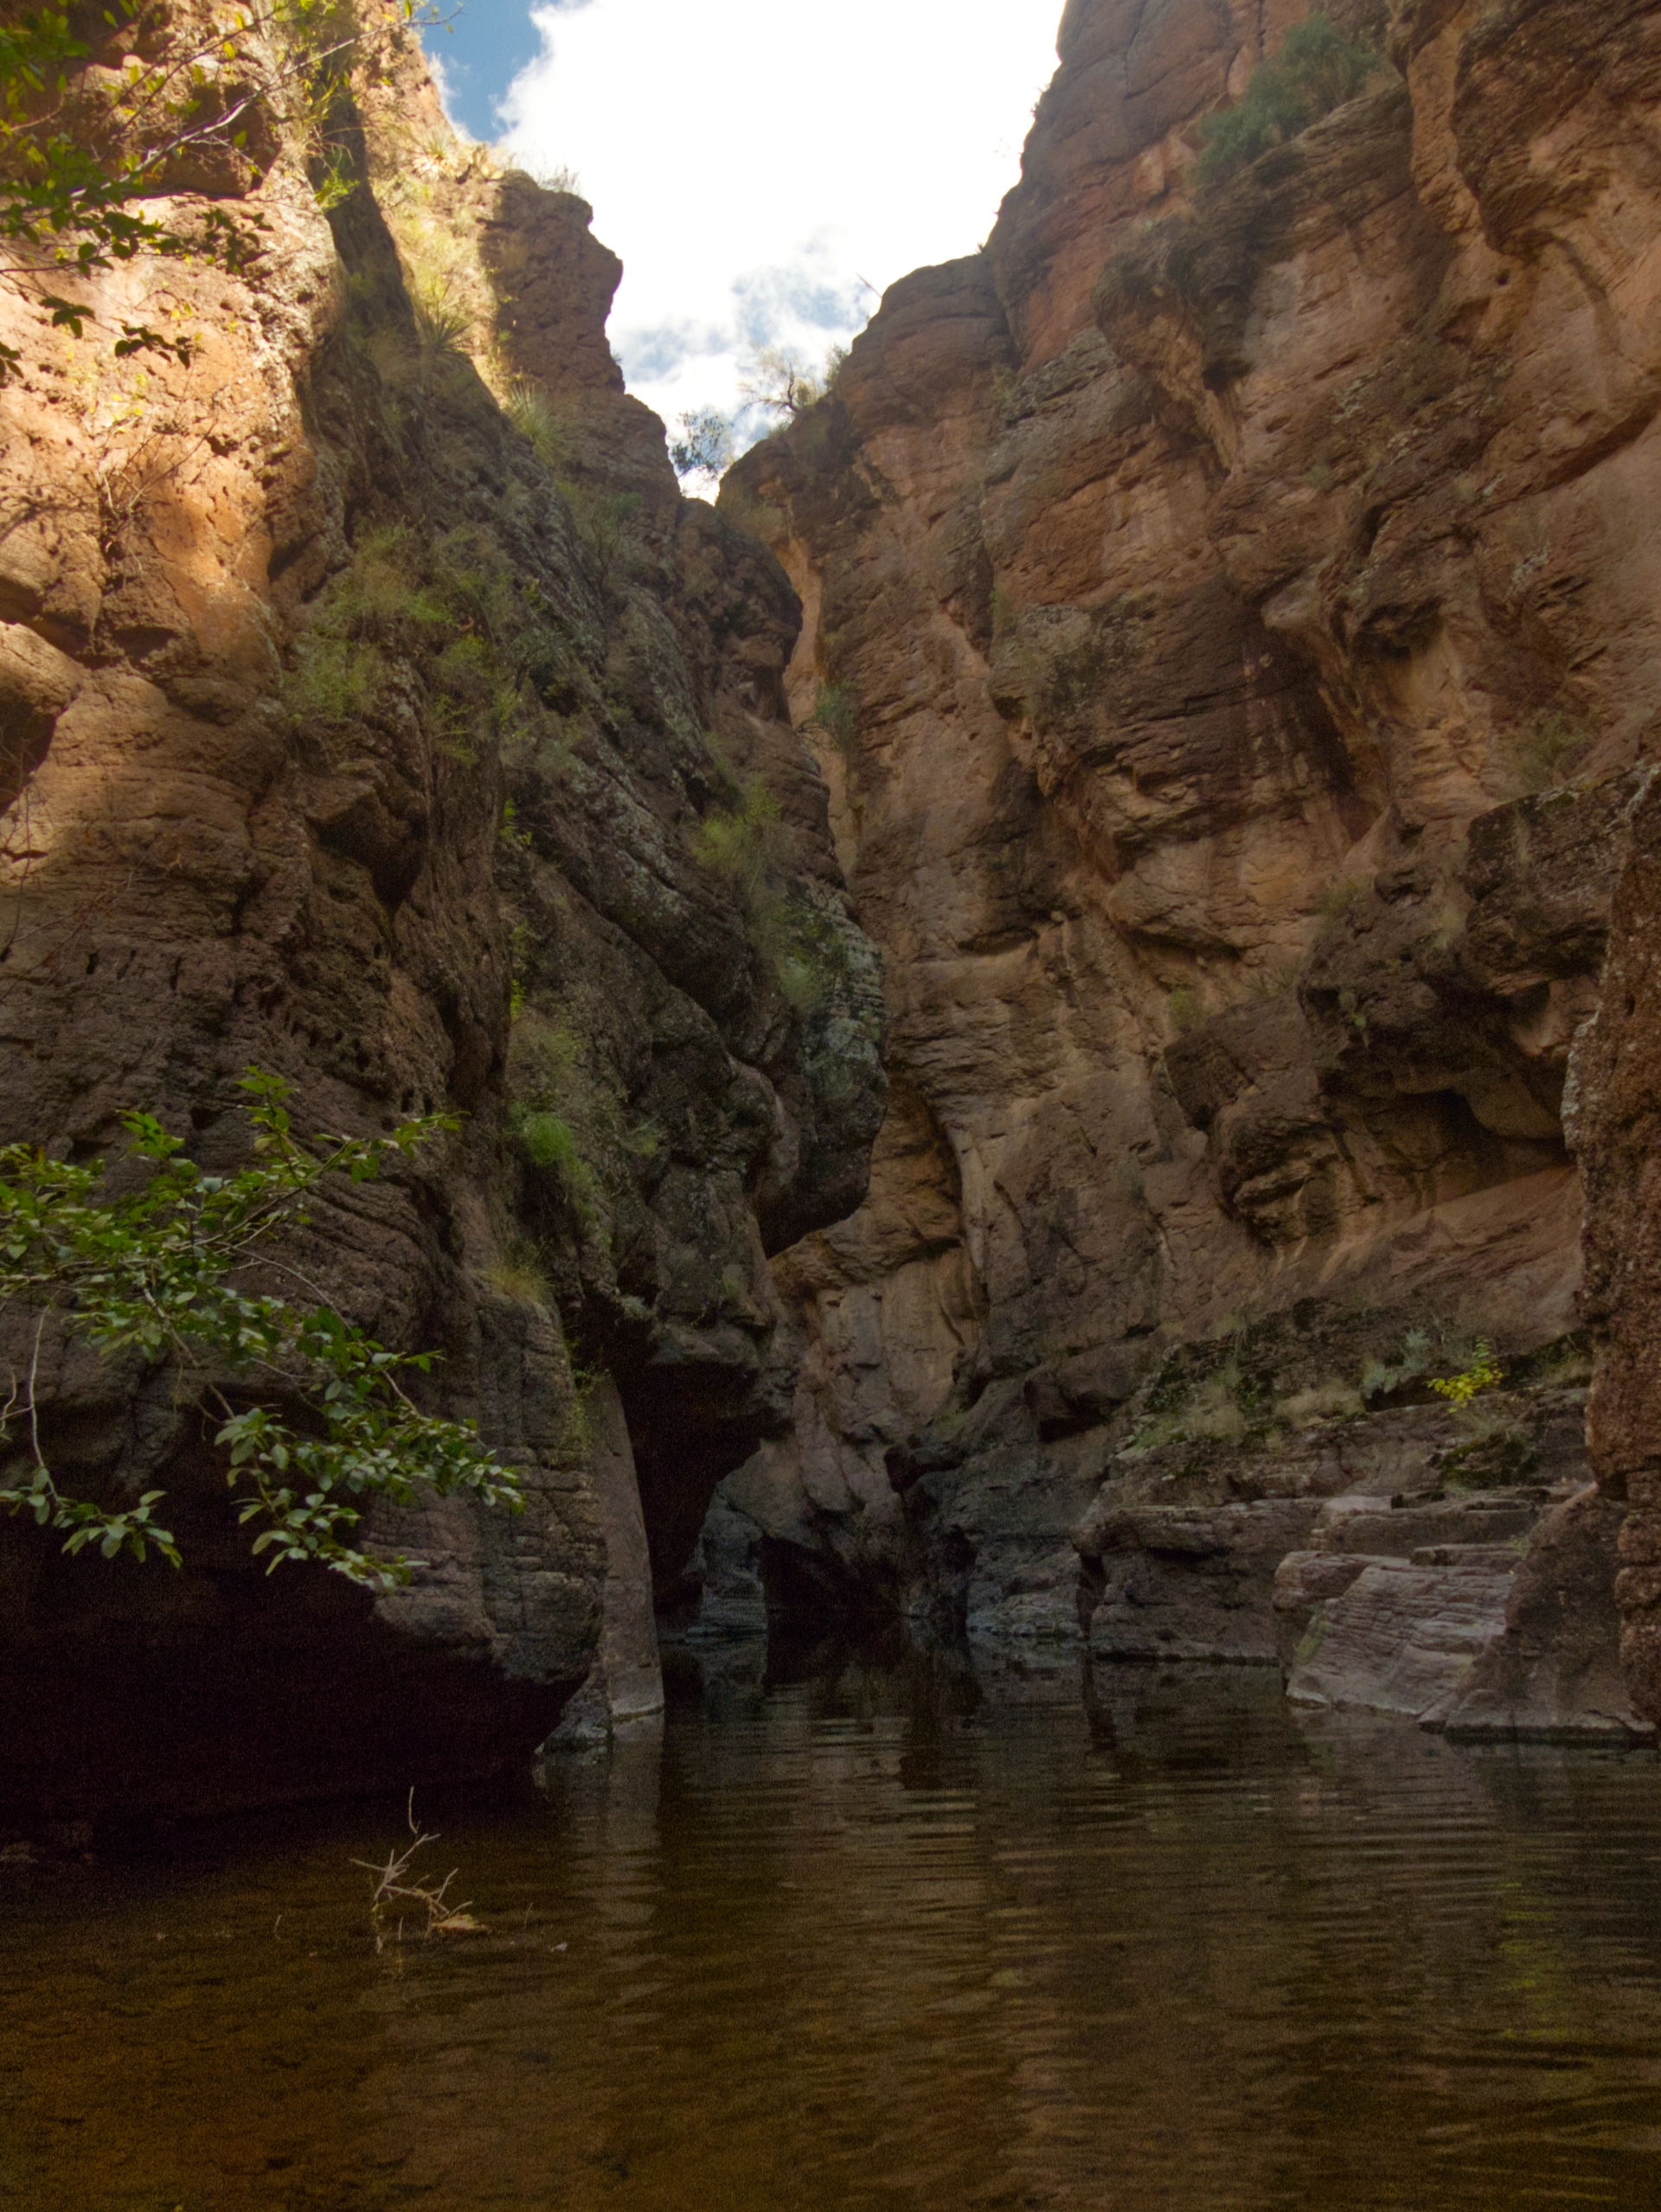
(1547, 752)
(1317, 69)
(835, 711)
(748, 849)
(451, 612)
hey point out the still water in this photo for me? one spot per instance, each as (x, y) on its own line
(873, 1941)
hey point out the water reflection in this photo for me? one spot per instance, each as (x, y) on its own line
(882, 1940)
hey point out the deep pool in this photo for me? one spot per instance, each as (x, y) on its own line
(877, 1941)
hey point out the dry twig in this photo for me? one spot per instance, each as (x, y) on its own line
(395, 1887)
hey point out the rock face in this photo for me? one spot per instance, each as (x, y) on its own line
(1555, 1671)
(1210, 636)
(1230, 643)
(1616, 1099)
(436, 757)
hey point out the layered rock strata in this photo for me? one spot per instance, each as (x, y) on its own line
(436, 757)
(1230, 635)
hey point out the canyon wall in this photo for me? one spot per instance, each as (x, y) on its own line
(1206, 640)
(1230, 643)
(433, 754)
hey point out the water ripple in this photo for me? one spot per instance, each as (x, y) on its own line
(846, 1946)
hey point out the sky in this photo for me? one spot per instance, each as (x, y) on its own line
(765, 171)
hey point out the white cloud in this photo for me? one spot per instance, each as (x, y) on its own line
(765, 171)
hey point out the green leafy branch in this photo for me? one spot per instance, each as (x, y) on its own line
(81, 146)
(77, 149)
(150, 1274)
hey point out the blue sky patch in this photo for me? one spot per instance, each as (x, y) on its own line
(486, 45)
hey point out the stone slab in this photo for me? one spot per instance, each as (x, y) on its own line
(1401, 1638)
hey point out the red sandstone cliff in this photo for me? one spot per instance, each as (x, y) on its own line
(1248, 605)
(1227, 642)
(355, 728)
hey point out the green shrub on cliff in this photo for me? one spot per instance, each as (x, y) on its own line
(1485, 1373)
(312, 1417)
(442, 322)
(1545, 752)
(610, 523)
(835, 711)
(564, 1113)
(550, 1142)
(743, 844)
(748, 848)
(333, 679)
(804, 948)
(534, 416)
(1317, 69)
(450, 612)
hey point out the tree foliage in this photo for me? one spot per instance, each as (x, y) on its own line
(313, 1417)
(80, 146)
(85, 142)
(705, 444)
(1318, 67)
(76, 151)
(778, 383)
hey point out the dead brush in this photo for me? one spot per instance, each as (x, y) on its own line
(396, 1888)
(130, 476)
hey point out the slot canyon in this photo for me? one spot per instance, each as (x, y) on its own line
(1039, 1026)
